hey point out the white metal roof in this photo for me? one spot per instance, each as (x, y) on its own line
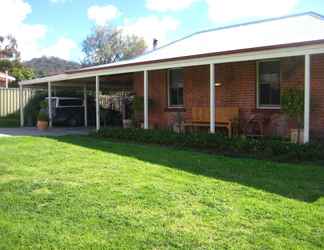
(294, 29)
(270, 32)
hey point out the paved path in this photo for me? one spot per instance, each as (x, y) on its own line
(49, 132)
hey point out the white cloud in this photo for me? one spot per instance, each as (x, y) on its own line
(62, 48)
(168, 5)
(29, 36)
(151, 27)
(228, 10)
(103, 14)
(13, 13)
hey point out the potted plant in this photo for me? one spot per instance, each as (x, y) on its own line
(292, 104)
(42, 120)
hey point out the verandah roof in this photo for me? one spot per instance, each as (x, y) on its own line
(302, 33)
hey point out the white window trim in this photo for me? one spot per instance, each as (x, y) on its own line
(258, 106)
(168, 89)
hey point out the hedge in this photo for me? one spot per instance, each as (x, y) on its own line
(9, 122)
(272, 149)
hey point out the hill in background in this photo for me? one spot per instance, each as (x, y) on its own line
(46, 66)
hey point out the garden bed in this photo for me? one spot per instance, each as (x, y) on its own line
(272, 149)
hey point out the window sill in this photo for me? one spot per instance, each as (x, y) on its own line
(269, 107)
(175, 109)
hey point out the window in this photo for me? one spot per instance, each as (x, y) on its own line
(269, 84)
(176, 80)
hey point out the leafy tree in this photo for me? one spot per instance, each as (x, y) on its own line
(292, 103)
(108, 45)
(9, 48)
(16, 69)
(20, 72)
(10, 59)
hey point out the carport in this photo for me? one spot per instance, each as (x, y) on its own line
(94, 84)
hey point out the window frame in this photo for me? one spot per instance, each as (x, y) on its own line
(168, 89)
(262, 106)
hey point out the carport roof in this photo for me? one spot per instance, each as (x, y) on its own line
(283, 32)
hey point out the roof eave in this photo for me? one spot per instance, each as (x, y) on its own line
(274, 51)
(279, 46)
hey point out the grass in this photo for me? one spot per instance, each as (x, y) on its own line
(85, 193)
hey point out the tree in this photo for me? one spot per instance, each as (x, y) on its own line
(16, 69)
(10, 59)
(20, 72)
(292, 103)
(9, 48)
(108, 45)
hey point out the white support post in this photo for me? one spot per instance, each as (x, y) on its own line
(212, 98)
(307, 98)
(85, 106)
(146, 126)
(50, 122)
(97, 104)
(21, 104)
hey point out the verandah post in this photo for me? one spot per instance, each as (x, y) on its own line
(21, 104)
(49, 86)
(307, 98)
(97, 104)
(85, 106)
(146, 126)
(212, 98)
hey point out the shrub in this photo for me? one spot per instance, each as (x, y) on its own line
(218, 143)
(292, 104)
(9, 123)
(32, 108)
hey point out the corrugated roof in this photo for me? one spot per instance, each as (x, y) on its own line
(293, 29)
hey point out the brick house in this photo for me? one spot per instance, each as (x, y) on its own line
(5, 80)
(246, 66)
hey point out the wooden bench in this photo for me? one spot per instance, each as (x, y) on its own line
(225, 117)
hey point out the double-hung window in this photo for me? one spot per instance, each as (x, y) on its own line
(176, 82)
(268, 84)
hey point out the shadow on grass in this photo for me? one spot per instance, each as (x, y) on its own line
(299, 182)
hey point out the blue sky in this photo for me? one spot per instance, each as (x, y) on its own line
(57, 27)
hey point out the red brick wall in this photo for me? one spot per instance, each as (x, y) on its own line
(238, 89)
(2, 83)
(317, 96)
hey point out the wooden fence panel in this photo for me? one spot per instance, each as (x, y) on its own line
(9, 100)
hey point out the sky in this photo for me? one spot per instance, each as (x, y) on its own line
(58, 27)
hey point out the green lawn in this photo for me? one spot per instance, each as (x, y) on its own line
(85, 193)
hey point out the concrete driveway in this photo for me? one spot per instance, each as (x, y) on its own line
(49, 132)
